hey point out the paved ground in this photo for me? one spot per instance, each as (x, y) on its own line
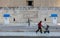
(29, 34)
(28, 37)
(25, 28)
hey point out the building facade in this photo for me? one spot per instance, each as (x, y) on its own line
(35, 10)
